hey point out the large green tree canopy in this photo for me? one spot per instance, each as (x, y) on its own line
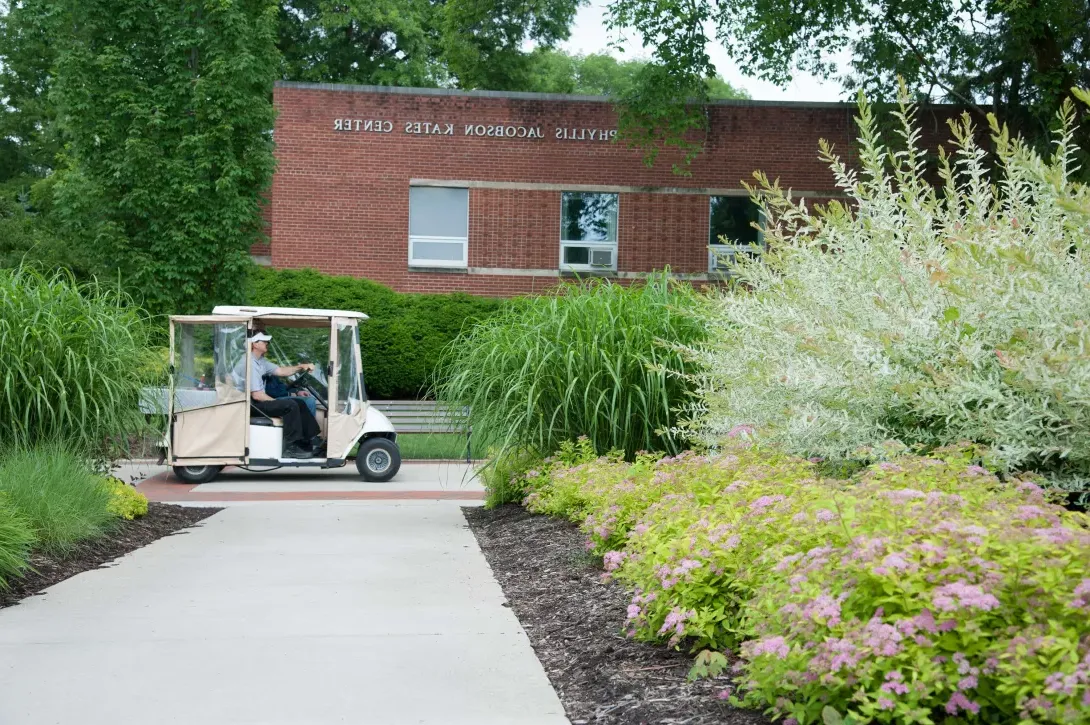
(462, 43)
(1017, 57)
(166, 116)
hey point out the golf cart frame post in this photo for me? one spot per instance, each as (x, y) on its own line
(212, 423)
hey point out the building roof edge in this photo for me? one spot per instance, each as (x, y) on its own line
(527, 96)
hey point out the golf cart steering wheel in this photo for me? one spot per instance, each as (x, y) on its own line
(304, 380)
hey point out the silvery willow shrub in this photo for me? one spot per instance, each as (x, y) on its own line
(926, 314)
(968, 601)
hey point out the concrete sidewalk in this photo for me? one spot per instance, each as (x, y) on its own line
(270, 613)
(417, 480)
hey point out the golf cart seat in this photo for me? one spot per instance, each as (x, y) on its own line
(266, 421)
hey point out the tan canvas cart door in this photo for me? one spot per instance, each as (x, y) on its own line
(208, 403)
(347, 408)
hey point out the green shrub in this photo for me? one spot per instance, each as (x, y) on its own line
(927, 315)
(922, 588)
(659, 517)
(125, 501)
(402, 341)
(74, 359)
(593, 359)
(62, 499)
(503, 476)
(966, 600)
(16, 538)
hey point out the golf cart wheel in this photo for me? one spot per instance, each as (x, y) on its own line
(197, 474)
(378, 459)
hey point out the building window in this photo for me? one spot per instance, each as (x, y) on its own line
(731, 230)
(588, 231)
(438, 226)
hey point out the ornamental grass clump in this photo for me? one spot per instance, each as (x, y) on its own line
(16, 539)
(592, 359)
(75, 357)
(59, 496)
(924, 314)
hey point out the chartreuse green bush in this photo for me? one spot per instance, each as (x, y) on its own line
(53, 487)
(401, 343)
(921, 589)
(922, 313)
(590, 358)
(125, 501)
(16, 538)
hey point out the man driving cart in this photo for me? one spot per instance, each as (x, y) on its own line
(301, 430)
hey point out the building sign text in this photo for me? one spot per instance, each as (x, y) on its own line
(483, 130)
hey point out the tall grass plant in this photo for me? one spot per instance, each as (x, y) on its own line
(16, 538)
(55, 490)
(75, 357)
(592, 359)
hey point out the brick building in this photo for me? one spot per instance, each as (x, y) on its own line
(505, 193)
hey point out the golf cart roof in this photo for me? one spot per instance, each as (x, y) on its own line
(245, 311)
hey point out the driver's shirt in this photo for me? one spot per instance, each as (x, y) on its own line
(259, 368)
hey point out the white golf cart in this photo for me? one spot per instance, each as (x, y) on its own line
(212, 423)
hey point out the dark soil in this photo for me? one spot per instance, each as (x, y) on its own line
(162, 519)
(574, 622)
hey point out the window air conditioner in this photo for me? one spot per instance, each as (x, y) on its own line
(601, 257)
(720, 257)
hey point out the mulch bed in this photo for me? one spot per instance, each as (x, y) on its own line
(574, 622)
(161, 520)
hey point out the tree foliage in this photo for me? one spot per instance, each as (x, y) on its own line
(1019, 58)
(463, 43)
(598, 74)
(27, 34)
(166, 115)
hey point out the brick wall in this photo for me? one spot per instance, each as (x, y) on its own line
(340, 197)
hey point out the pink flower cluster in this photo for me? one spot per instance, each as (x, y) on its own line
(950, 597)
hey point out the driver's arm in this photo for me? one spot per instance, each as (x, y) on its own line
(282, 372)
(261, 395)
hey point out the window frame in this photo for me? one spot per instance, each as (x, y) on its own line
(720, 249)
(565, 244)
(415, 262)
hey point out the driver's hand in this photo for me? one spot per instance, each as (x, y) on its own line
(307, 366)
(302, 394)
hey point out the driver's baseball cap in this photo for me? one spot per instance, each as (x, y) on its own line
(260, 337)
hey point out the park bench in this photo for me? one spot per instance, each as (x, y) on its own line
(425, 416)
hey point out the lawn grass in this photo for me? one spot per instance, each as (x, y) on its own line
(424, 446)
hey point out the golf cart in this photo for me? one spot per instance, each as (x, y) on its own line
(212, 423)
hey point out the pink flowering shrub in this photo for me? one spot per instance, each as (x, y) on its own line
(966, 599)
(921, 589)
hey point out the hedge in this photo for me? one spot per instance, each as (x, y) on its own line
(402, 341)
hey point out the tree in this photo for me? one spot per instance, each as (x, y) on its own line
(463, 43)
(1021, 57)
(375, 42)
(482, 40)
(27, 33)
(598, 74)
(166, 115)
